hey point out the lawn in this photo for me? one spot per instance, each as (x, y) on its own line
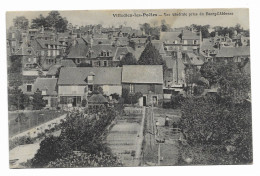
(30, 119)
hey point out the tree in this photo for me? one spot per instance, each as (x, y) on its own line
(209, 70)
(39, 22)
(151, 56)
(16, 99)
(128, 59)
(15, 72)
(203, 29)
(56, 21)
(192, 77)
(21, 22)
(164, 26)
(38, 102)
(53, 21)
(130, 98)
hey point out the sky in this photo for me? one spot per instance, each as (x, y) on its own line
(106, 18)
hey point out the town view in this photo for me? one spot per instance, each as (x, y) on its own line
(149, 94)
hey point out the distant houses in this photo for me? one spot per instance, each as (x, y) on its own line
(68, 67)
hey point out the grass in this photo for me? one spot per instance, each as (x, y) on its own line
(30, 119)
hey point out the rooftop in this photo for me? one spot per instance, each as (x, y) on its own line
(142, 74)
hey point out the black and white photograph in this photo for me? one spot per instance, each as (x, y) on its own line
(129, 88)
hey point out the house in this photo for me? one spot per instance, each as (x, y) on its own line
(76, 83)
(48, 88)
(235, 54)
(78, 54)
(147, 79)
(185, 40)
(139, 42)
(48, 51)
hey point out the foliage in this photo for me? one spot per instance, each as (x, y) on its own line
(208, 122)
(154, 32)
(151, 56)
(38, 102)
(20, 22)
(204, 29)
(128, 59)
(132, 44)
(85, 160)
(115, 96)
(229, 30)
(164, 26)
(53, 21)
(80, 132)
(130, 98)
(17, 99)
(51, 148)
(84, 102)
(20, 141)
(15, 72)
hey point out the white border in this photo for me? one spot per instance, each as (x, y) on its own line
(16, 5)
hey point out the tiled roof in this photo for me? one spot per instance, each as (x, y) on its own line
(48, 84)
(233, 51)
(78, 75)
(142, 74)
(78, 51)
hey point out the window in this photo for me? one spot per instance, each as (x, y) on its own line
(90, 88)
(131, 88)
(44, 92)
(13, 43)
(42, 53)
(57, 52)
(108, 53)
(49, 52)
(185, 42)
(105, 63)
(29, 88)
(194, 42)
(152, 88)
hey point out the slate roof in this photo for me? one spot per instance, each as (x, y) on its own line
(139, 40)
(188, 35)
(53, 70)
(44, 43)
(159, 46)
(194, 59)
(96, 50)
(126, 30)
(207, 44)
(24, 50)
(78, 51)
(152, 74)
(170, 36)
(120, 51)
(67, 63)
(97, 99)
(233, 51)
(48, 84)
(78, 75)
